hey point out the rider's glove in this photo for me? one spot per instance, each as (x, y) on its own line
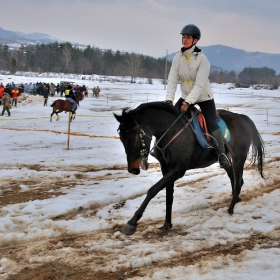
(169, 102)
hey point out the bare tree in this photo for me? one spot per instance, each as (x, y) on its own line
(66, 56)
(134, 62)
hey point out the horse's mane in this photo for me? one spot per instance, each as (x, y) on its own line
(150, 105)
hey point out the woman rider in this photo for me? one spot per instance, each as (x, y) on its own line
(191, 68)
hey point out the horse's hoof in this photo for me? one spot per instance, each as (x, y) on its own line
(129, 229)
(230, 211)
(165, 227)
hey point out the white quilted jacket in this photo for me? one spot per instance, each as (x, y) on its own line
(191, 70)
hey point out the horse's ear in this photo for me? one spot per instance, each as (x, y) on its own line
(118, 118)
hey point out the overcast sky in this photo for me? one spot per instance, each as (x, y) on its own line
(149, 27)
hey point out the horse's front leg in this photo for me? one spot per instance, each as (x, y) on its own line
(169, 194)
(167, 181)
(131, 225)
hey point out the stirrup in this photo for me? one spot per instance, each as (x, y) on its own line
(224, 161)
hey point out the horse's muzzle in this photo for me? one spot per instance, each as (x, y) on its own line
(133, 166)
(134, 171)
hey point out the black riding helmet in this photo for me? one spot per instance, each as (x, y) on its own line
(191, 29)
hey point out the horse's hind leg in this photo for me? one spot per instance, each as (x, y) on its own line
(52, 115)
(236, 176)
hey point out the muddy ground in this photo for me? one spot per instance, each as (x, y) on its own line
(40, 259)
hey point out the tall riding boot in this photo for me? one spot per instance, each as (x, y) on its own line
(220, 149)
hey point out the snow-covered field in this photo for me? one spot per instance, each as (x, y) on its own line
(61, 211)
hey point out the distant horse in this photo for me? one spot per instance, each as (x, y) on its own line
(66, 106)
(177, 150)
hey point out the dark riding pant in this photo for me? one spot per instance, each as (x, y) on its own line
(208, 109)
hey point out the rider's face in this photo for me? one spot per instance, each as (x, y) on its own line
(188, 40)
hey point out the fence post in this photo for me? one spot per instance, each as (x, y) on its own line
(68, 137)
(266, 116)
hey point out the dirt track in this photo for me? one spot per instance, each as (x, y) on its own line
(80, 256)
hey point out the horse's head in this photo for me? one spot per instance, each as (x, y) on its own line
(136, 143)
(79, 95)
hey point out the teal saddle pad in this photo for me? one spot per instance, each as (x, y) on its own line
(200, 136)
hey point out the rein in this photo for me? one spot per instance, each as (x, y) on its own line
(177, 134)
(143, 151)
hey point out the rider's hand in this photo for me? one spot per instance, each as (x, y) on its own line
(169, 102)
(185, 106)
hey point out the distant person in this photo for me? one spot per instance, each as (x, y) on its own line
(21, 88)
(46, 93)
(98, 91)
(6, 100)
(12, 85)
(71, 97)
(26, 88)
(57, 88)
(1, 93)
(190, 67)
(15, 93)
(93, 91)
(52, 89)
(7, 89)
(62, 89)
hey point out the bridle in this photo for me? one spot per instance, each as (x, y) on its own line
(143, 150)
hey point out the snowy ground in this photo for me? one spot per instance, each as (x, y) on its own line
(61, 211)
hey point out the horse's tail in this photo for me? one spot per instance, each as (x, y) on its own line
(257, 145)
(53, 104)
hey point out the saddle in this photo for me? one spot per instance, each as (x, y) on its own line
(202, 134)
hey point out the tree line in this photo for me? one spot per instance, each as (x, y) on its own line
(66, 58)
(248, 76)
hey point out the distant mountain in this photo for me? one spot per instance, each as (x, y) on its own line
(13, 36)
(220, 57)
(228, 58)
(15, 39)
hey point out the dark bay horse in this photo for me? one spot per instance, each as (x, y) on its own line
(176, 155)
(66, 106)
